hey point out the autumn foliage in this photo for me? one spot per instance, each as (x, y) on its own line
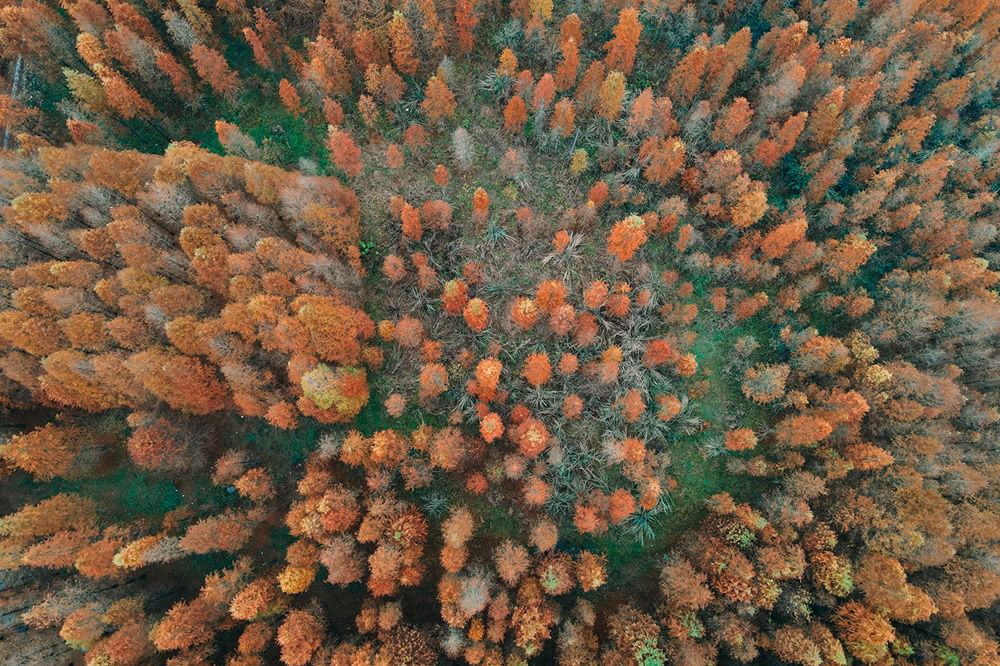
(510, 333)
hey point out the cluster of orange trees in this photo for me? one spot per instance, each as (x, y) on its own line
(498, 333)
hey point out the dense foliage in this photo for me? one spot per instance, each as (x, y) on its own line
(471, 331)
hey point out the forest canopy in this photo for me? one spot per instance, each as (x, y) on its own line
(499, 332)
